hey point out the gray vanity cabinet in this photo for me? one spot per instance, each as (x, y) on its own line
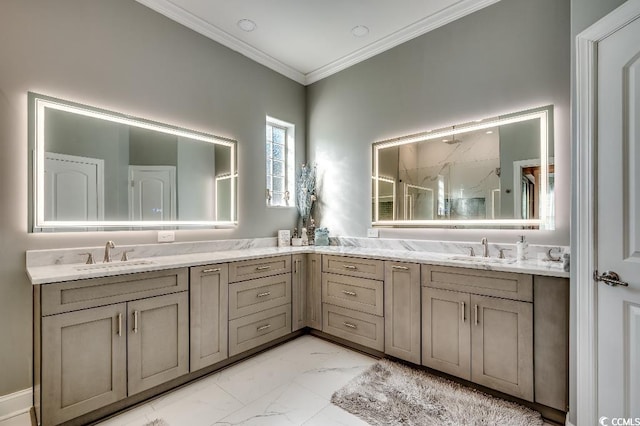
(471, 330)
(260, 306)
(209, 296)
(97, 341)
(298, 292)
(158, 341)
(402, 310)
(313, 312)
(84, 361)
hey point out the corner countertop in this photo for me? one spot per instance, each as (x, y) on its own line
(47, 274)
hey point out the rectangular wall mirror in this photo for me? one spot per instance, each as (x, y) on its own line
(94, 169)
(492, 173)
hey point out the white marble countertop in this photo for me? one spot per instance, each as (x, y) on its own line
(46, 274)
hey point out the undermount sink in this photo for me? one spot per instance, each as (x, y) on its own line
(479, 259)
(114, 265)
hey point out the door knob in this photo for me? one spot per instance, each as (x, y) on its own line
(609, 278)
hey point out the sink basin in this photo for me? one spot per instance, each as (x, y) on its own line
(479, 259)
(114, 265)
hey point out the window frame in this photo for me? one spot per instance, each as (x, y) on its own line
(288, 166)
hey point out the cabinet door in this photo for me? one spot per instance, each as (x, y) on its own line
(446, 339)
(502, 345)
(83, 361)
(209, 315)
(298, 291)
(314, 291)
(402, 311)
(158, 345)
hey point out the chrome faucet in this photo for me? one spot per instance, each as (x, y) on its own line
(485, 247)
(107, 251)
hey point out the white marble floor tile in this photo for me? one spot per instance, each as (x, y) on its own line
(261, 378)
(334, 373)
(202, 407)
(135, 417)
(334, 416)
(289, 404)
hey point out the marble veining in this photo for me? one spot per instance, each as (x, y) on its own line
(50, 266)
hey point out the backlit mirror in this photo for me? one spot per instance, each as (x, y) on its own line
(97, 169)
(496, 172)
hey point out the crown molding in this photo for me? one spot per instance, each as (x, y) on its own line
(189, 20)
(443, 17)
(429, 23)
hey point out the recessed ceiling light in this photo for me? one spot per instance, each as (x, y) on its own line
(360, 31)
(489, 132)
(445, 140)
(247, 25)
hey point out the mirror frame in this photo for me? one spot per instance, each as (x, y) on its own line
(37, 223)
(544, 114)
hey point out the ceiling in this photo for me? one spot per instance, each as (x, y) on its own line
(309, 40)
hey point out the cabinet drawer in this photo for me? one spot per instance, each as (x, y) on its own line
(353, 293)
(75, 295)
(506, 285)
(249, 297)
(357, 327)
(258, 268)
(356, 267)
(256, 329)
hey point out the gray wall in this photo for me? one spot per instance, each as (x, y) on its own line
(121, 56)
(584, 13)
(511, 56)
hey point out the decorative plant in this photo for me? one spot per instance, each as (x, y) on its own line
(306, 192)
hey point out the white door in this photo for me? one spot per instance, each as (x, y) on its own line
(152, 193)
(74, 188)
(618, 224)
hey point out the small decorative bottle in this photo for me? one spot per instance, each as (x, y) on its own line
(305, 238)
(311, 232)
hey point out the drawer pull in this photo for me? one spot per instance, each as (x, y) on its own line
(266, 293)
(351, 267)
(263, 268)
(348, 324)
(401, 268)
(264, 327)
(207, 271)
(349, 293)
(135, 321)
(119, 324)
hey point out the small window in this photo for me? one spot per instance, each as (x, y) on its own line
(280, 163)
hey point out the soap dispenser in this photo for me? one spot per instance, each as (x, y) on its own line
(522, 248)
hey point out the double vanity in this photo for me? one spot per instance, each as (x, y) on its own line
(110, 335)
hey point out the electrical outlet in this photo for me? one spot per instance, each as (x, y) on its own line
(373, 233)
(166, 236)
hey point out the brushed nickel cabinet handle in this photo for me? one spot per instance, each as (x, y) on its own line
(208, 271)
(401, 268)
(476, 314)
(348, 324)
(266, 293)
(264, 327)
(263, 268)
(119, 324)
(295, 266)
(135, 321)
(353, 268)
(349, 293)
(462, 312)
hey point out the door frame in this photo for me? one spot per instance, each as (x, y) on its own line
(585, 207)
(173, 189)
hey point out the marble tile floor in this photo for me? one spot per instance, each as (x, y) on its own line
(291, 384)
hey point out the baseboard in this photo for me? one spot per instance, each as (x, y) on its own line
(15, 404)
(567, 422)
